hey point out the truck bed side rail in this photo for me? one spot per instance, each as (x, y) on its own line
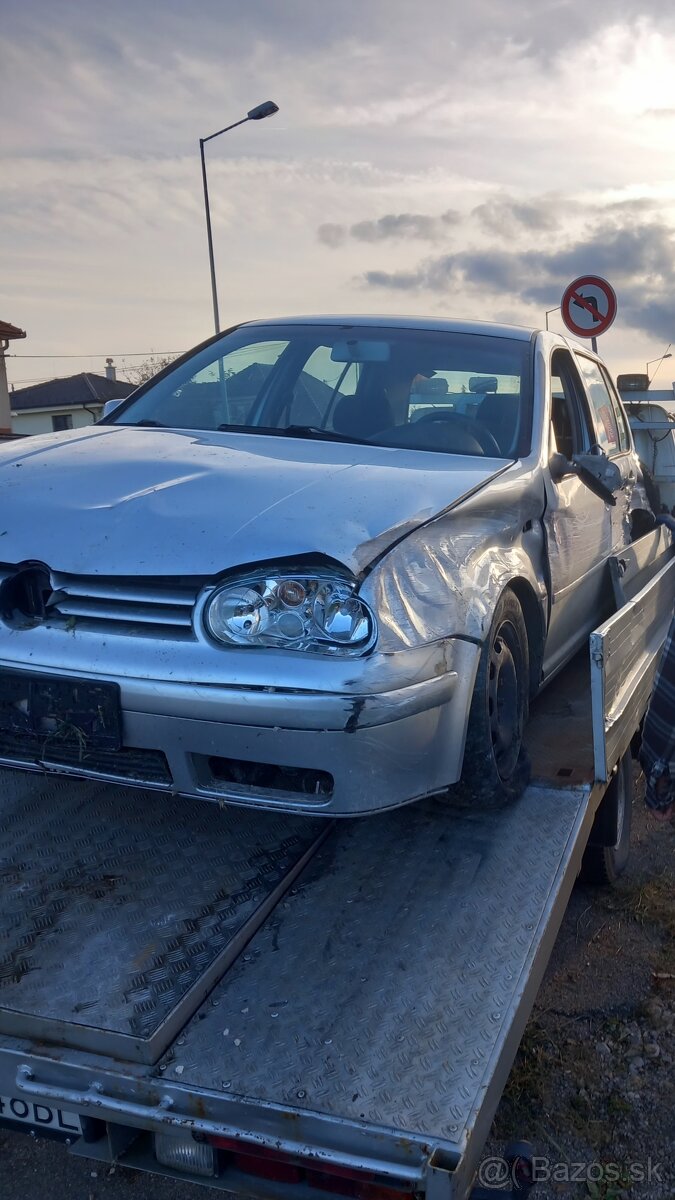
(625, 653)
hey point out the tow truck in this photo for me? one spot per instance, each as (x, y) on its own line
(283, 1006)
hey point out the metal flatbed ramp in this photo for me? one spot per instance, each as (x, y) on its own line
(120, 909)
(390, 988)
(371, 1019)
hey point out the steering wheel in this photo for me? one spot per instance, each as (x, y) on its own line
(476, 429)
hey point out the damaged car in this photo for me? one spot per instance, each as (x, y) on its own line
(315, 565)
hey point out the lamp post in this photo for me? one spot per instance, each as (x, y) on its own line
(659, 361)
(550, 310)
(267, 109)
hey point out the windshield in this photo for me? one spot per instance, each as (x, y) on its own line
(455, 393)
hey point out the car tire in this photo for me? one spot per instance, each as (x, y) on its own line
(602, 865)
(496, 768)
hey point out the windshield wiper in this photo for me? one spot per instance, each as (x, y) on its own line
(313, 431)
(147, 422)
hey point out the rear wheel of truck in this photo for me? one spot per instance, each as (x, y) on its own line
(603, 863)
(496, 768)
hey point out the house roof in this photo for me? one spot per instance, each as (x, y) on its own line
(9, 332)
(75, 391)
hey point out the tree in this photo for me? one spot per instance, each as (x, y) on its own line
(141, 372)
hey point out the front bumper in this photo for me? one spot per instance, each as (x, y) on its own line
(292, 749)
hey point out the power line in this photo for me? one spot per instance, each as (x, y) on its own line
(34, 379)
(120, 369)
(14, 383)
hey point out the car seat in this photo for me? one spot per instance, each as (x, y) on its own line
(499, 413)
(362, 416)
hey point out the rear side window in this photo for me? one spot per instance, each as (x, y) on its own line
(608, 420)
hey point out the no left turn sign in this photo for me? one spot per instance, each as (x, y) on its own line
(588, 306)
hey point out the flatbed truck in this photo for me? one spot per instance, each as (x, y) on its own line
(288, 1007)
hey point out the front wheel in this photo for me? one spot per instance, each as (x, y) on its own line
(496, 768)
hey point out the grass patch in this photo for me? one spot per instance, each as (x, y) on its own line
(524, 1096)
(651, 905)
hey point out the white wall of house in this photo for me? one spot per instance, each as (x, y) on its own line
(4, 392)
(40, 420)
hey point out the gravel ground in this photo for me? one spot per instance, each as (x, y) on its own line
(593, 1083)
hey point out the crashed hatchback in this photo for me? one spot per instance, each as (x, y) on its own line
(315, 565)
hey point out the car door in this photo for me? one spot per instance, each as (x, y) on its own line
(577, 523)
(612, 434)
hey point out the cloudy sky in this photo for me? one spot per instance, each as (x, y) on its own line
(440, 157)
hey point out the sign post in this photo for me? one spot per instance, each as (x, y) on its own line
(588, 307)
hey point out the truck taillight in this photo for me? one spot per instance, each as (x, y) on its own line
(274, 1165)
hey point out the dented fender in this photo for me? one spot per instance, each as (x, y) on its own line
(445, 578)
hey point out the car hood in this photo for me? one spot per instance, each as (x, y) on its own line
(116, 500)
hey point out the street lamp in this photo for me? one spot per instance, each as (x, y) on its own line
(267, 109)
(550, 310)
(659, 361)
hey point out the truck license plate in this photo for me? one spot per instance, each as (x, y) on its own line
(30, 1114)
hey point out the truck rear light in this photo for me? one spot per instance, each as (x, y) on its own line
(181, 1152)
(356, 1185)
(268, 1168)
(265, 1163)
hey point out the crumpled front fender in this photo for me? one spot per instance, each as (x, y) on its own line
(444, 579)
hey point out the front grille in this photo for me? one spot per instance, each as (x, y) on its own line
(141, 766)
(130, 605)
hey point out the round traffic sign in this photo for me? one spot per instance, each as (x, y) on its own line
(588, 306)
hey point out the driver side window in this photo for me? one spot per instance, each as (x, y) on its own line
(569, 420)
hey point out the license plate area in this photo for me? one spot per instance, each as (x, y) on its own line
(53, 712)
(33, 1116)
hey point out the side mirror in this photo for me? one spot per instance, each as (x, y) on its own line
(600, 474)
(109, 407)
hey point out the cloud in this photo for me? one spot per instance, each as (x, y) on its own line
(640, 252)
(401, 226)
(404, 225)
(332, 235)
(639, 260)
(503, 215)
(384, 126)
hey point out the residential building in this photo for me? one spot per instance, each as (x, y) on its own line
(8, 333)
(61, 404)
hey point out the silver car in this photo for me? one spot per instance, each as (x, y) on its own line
(317, 565)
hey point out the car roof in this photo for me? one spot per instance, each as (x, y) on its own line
(435, 324)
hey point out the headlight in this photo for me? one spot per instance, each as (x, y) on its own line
(295, 612)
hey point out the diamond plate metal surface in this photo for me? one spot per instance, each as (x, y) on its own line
(382, 988)
(116, 903)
